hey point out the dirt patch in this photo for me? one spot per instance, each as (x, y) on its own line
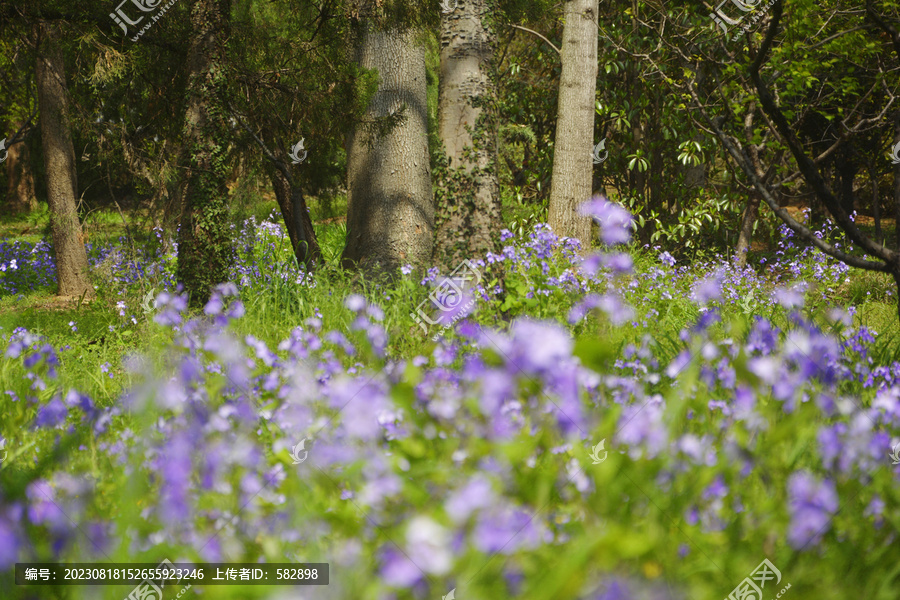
(340, 219)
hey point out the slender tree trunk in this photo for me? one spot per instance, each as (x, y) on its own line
(390, 215)
(468, 198)
(59, 163)
(20, 196)
(572, 162)
(296, 218)
(847, 170)
(751, 213)
(897, 187)
(745, 237)
(204, 248)
(876, 201)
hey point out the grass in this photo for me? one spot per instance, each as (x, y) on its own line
(274, 311)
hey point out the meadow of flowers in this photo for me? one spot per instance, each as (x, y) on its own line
(599, 426)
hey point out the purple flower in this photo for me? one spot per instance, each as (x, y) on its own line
(52, 414)
(475, 496)
(617, 311)
(643, 427)
(618, 262)
(175, 467)
(215, 305)
(360, 403)
(355, 302)
(505, 530)
(709, 289)
(538, 346)
(615, 222)
(617, 589)
(43, 508)
(790, 298)
(398, 570)
(170, 308)
(9, 544)
(812, 504)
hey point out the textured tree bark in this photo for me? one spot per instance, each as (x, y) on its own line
(59, 163)
(20, 196)
(390, 215)
(467, 213)
(296, 219)
(204, 249)
(751, 214)
(572, 162)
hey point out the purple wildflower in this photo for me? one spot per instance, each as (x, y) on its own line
(812, 504)
(615, 222)
(52, 414)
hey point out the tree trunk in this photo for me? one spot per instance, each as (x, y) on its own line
(467, 212)
(847, 170)
(390, 214)
(59, 163)
(572, 162)
(751, 214)
(897, 187)
(876, 200)
(20, 196)
(296, 218)
(204, 248)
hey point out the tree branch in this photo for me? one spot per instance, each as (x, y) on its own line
(800, 229)
(807, 167)
(537, 34)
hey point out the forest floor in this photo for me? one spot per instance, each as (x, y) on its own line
(619, 424)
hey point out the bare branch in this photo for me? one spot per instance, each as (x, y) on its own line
(531, 31)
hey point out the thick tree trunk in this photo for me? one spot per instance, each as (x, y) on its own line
(572, 162)
(20, 196)
(468, 198)
(390, 215)
(204, 248)
(59, 163)
(296, 219)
